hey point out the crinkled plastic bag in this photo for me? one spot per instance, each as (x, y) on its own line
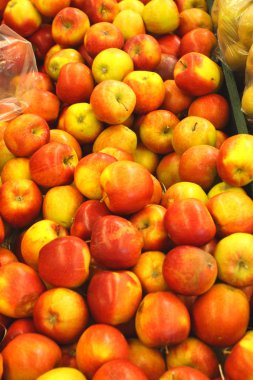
(17, 67)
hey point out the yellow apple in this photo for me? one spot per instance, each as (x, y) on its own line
(161, 16)
(134, 5)
(130, 23)
(117, 136)
(245, 27)
(17, 167)
(221, 187)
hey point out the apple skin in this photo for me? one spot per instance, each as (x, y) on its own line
(42, 103)
(214, 107)
(233, 165)
(189, 270)
(111, 342)
(20, 287)
(36, 236)
(119, 182)
(233, 255)
(175, 100)
(197, 74)
(200, 40)
(121, 368)
(25, 134)
(150, 222)
(159, 309)
(101, 36)
(160, 17)
(20, 202)
(64, 261)
(225, 327)
(61, 314)
(169, 43)
(22, 17)
(232, 211)
(130, 23)
(69, 26)
(193, 18)
(144, 50)
(113, 101)
(239, 360)
(53, 164)
(50, 9)
(188, 222)
(101, 10)
(17, 356)
(182, 190)
(75, 83)
(194, 353)
(183, 373)
(115, 242)
(18, 326)
(42, 41)
(113, 297)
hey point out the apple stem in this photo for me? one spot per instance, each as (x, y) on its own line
(103, 198)
(5, 332)
(182, 63)
(194, 127)
(221, 372)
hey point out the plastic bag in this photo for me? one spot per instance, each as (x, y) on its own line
(247, 96)
(17, 59)
(235, 32)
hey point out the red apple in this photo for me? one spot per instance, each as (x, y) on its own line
(169, 43)
(115, 242)
(157, 310)
(98, 344)
(6, 256)
(188, 222)
(167, 170)
(59, 135)
(193, 18)
(113, 297)
(101, 10)
(42, 103)
(20, 202)
(225, 324)
(42, 41)
(2, 230)
(117, 136)
(166, 66)
(18, 326)
(120, 368)
(64, 261)
(183, 373)
(53, 164)
(175, 100)
(200, 40)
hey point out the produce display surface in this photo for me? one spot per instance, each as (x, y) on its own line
(126, 193)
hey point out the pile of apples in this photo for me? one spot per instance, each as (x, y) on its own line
(125, 217)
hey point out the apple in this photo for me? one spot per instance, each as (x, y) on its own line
(150, 222)
(233, 255)
(115, 242)
(146, 157)
(101, 36)
(197, 74)
(17, 356)
(111, 343)
(119, 182)
(175, 99)
(111, 63)
(75, 83)
(156, 130)
(144, 50)
(36, 80)
(244, 30)
(118, 153)
(42, 41)
(189, 270)
(166, 66)
(61, 136)
(53, 164)
(25, 134)
(225, 324)
(17, 327)
(235, 54)
(22, 17)
(189, 4)
(193, 18)
(149, 271)
(6, 255)
(232, 211)
(42, 103)
(20, 202)
(100, 10)
(53, 209)
(188, 222)
(61, 314)
(5, 154)
(183, 373)
(160, 17)
(183, 190)
(144, 83)
(239, 360)
(167, 170)
(20, 287)
(198, 164)
(246, 100)
(116, 136)
(201, 40)
(64, 262)
(130, 23)
(69, 26)
(233, 165)
(194, 353)
(112, 101)
(50, 9)
(121, 368)
(221, 136)
(60, 58)
(220, 187)
(213, 107)
(36, 236)
(159, 309)
(157, 191)
(113, 297)
(16, 168)
(88, 171)
(169, 43)
(62, 373)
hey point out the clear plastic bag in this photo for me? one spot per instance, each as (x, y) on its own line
(17, 59)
